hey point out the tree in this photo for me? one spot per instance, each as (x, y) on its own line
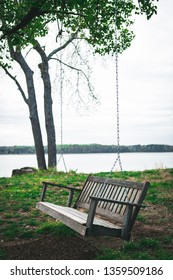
(23, 22)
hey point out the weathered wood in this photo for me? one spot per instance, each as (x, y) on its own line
(126, 227)
(113, 200)
(140, 201)
(61, 186)
(43, 192)
(69, 188)
(73, 218)
(69, 219)
(91, 213)
(70, 198)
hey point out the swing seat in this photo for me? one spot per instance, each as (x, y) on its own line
(104, 206)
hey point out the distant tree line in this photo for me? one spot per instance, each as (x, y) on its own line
(89, 148)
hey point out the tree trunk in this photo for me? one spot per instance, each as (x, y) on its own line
(49, 121)
(35, 123)
(32, 105)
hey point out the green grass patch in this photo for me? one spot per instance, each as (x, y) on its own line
(145, 249)
(19, 218)
(56, 228)
(3, 255)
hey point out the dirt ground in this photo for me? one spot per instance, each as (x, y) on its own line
(86, 248)
(49, 247)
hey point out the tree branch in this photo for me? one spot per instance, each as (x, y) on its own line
(73, 36)
(17, 83)
(41, 52)
(69, 66)
(79, 71)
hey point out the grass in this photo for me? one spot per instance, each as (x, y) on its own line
(55, 228)
(19, 218)
(146, 248)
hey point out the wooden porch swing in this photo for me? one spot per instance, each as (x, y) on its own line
(104, 206)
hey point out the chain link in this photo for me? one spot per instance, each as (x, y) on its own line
(118, 159)
(61, 114)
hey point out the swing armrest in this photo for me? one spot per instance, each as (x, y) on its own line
(61, 186)
(71, 189)
(93, 206)
(97, 199)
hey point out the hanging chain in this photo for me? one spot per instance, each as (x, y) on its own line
(61, 113)
(118, 159)
(61, 94)
(61, 100)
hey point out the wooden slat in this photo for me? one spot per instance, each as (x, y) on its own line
(123, 198)
(137, 197)
(88, 188)
(111, 181)
(69, 212)
(129, 193)
(140, 201)
(101, 230)
(108, 194)
(133, 196)
(73, 214)
(78, 227)
(104, 193)
(112, 189)
(115, 207)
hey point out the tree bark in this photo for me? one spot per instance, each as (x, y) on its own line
(32, 105)
(49, 120)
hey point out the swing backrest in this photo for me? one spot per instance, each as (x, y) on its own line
(112, 189)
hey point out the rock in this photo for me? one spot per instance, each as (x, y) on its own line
(23, 170)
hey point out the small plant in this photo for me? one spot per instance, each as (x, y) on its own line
(167, 239)
(2, 254)
(109, 254)
(141, 218)
(130, 246)
(26, 234)
(149, 243)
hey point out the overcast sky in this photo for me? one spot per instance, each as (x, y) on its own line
(145, 88)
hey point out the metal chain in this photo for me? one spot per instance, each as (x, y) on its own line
(61, 114)
(61, 97)
(118, 159)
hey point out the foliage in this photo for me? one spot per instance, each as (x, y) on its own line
(89, 148)
(23, 21)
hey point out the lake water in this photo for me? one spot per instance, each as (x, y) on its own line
(90, 163)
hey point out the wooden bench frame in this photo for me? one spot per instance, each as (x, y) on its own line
(99, 211)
